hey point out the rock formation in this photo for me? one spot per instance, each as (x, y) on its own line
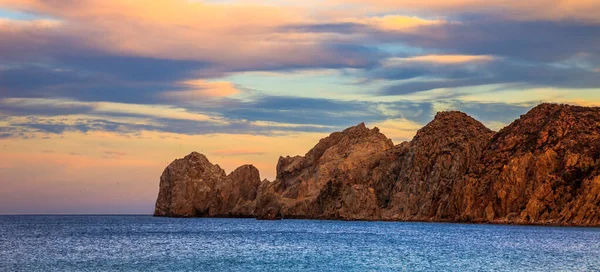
(194, 187)
(542, 169)
(433, 166)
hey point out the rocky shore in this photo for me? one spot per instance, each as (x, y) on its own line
(544, 168)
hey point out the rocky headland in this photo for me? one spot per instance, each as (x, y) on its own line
(544, 168)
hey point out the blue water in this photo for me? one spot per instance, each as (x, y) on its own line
(145, 243)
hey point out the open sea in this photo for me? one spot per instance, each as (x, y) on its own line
(146, 243)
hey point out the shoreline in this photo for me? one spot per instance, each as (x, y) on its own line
(392, 221)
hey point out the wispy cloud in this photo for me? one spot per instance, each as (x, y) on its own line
(581, 10)
(202, 89)
(438, 59)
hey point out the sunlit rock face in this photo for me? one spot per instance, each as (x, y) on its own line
(320, 184)
(187, 187)
(542, 169)
(194, 187)
(432, 167)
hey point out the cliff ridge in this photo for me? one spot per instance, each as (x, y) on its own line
(544, 168)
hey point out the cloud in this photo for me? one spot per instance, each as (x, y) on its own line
(191, 31)
(43, 107)
(117, 79)
(28, 116)
(472, 34)
(430, 77)
(167, 72)
(63, 107)
(355, 25)
(545, 41)
(300, 110)
(580, 10)
(438, 59)
(401, 23)
(199, 89)
(26, 25)
(262, 115)
(157, 111)
(33, 125)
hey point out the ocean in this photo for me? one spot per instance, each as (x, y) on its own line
(146, 243)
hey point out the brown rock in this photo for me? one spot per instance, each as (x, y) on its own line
(339, 200)
(542, 169)
(236, 194)
(194, 187)
(341, 158)
(187, 187)
(431, 169)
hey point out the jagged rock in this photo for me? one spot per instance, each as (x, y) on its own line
(194, 187)
(186, 186)
(433, 166)
(542, 169)
(339, 200)
(341, 157)
(304, 177)
(236, 194)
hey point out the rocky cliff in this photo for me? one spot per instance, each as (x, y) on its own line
(542, 169)
(194, 187)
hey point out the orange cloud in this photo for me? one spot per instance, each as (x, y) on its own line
(199, 88)
(395, 22)
(439, 59)
(237, 34)
(15, 25)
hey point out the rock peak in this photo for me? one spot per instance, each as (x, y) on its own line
(245, 168)
(448, 123)
(195, 154)
(358, 128)
(547, 109)
(452, 115)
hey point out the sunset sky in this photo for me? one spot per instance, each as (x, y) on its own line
(97, 97)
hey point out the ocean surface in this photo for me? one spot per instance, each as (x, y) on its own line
(146, 243)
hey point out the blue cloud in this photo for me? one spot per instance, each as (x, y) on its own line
(496, 72)
(138, 69)
(540, 41)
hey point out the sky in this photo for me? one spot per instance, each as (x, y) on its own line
(97, 97)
